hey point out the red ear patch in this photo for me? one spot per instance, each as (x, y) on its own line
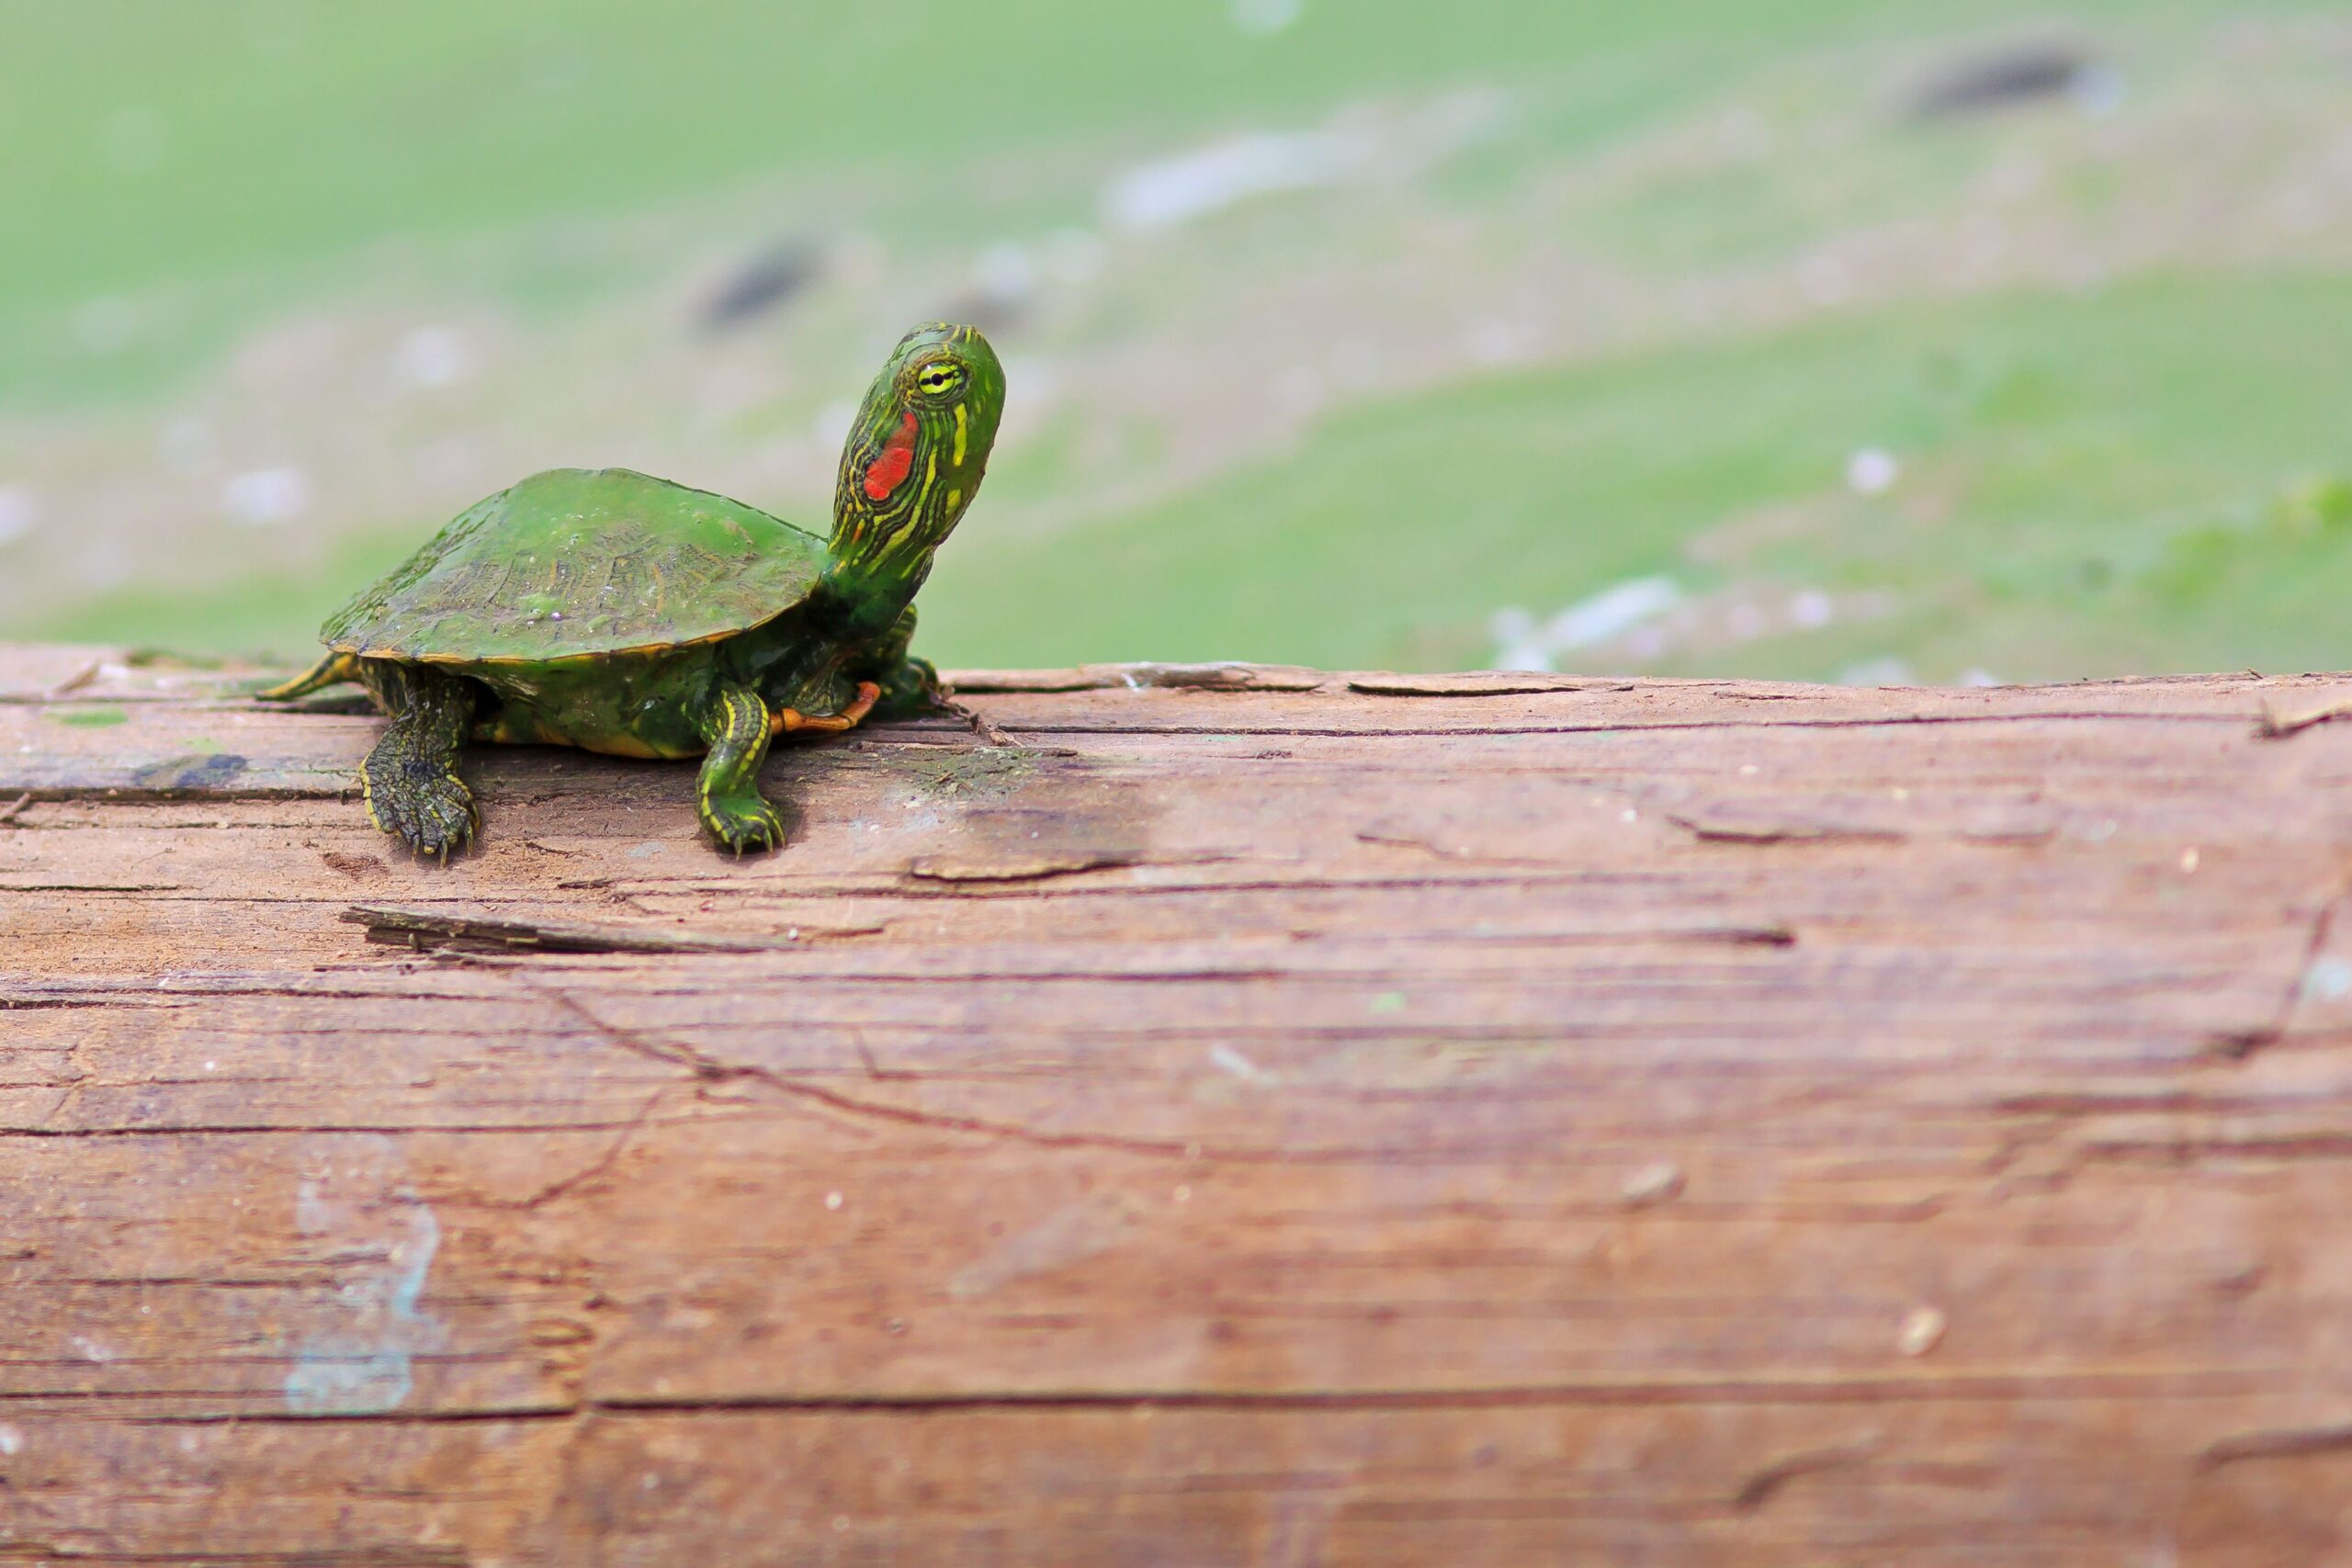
(897, 459)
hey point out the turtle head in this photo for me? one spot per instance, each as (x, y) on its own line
(916, 453)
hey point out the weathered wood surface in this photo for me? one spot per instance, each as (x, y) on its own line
(1267, 1118)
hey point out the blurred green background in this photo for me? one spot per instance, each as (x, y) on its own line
(1873, 340)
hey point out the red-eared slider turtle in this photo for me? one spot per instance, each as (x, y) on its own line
(604, 609)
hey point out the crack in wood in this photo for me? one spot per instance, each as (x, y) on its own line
(1767, 1483)
(50, 1550)
(713, 1069)
(1865, 1390)
(1822, 1390)
(1480, 684)
(2239, 1045)
(1371, 735)
(1207, 677)
(312, 1129)
(2285, 1442)
(565, 1186)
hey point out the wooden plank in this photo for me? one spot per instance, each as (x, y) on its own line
(1261, 1116)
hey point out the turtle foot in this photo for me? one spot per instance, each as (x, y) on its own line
(742, 822)
(433, 814)
(914, 690)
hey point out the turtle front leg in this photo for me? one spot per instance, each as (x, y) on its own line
(735, 726)
(411, 777)
(910, 687)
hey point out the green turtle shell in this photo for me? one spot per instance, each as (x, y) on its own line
(578, 563)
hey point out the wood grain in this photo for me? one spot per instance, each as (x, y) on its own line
(1262, 1117)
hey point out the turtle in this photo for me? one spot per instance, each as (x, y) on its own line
(612, 611)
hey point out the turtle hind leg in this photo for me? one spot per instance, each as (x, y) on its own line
(726, 797)
(411, 777)
(792, 721)
(334, 669)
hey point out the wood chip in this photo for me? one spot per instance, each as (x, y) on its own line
(2271, 724)
(983, 864)
(432, 927)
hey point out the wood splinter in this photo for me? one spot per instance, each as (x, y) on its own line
(425, 928)
(2272, 725)
(980, 724)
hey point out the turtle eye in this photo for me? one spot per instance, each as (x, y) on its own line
(943, 377)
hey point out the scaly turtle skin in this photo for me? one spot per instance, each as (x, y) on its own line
(604, 609)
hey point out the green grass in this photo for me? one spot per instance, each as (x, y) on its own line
(165, 141)
(274, 613)
(2144, 478)
(2094, 482)
(191, 168)
(2131, 478)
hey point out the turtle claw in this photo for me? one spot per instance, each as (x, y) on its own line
(741, 823)
(433, 815)
(410, 776)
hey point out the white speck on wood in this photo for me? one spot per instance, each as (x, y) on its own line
(1922, 1331)
(1657, 1182)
